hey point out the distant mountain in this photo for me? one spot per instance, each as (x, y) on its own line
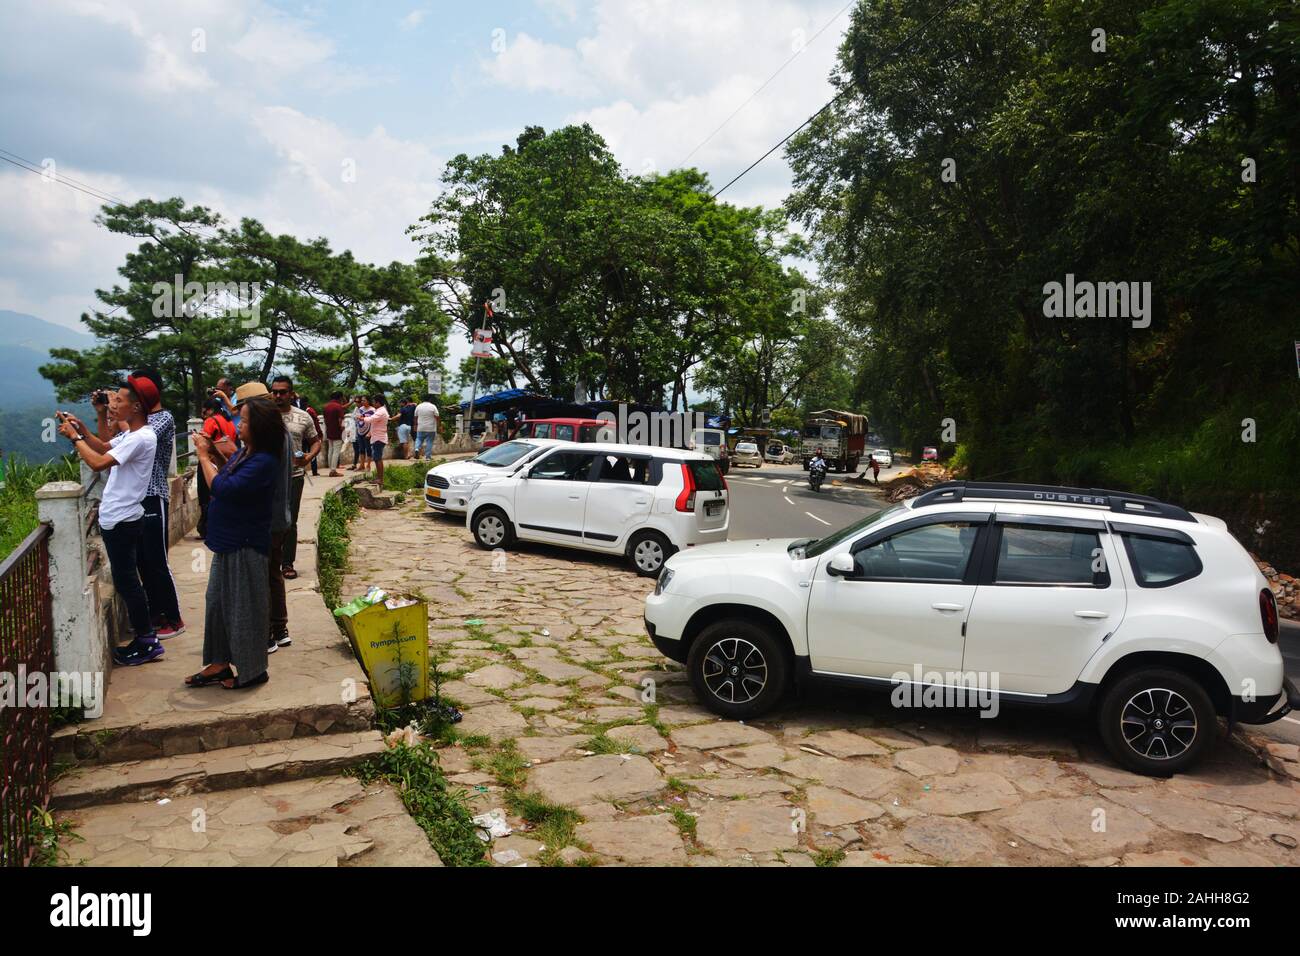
(25, 397)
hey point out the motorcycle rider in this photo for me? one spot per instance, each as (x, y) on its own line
(816, 468)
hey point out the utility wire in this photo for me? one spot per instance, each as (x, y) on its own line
(838, 96)
(778, 72)
(32, 167)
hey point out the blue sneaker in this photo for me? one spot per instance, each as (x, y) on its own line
(138, 652)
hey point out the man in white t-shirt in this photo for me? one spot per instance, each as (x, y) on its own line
(128, 457)
(426, 427)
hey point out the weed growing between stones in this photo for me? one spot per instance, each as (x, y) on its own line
(46, 836)
(829, 857)
(441, 812)
(553, 825)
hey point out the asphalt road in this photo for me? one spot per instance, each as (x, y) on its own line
(774, 502)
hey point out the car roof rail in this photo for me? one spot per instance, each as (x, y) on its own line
(1121, 502)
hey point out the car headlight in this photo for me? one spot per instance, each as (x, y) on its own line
(661, 584)
(467, 481)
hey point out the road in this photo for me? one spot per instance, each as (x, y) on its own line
(774, 502)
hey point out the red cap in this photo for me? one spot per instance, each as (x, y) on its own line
(145, 388)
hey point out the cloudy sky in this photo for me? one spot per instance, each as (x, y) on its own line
(257, 108)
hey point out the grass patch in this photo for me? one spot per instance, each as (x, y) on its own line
(442, 813)
(601, 743)
(829, 857)
(337, 509)
(406, 478)
(553, 825)
(685, 822)
(18, 517)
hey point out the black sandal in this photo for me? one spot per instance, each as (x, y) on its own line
(203, 680)
(256, 681)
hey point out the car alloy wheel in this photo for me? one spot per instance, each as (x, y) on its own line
(491, 530)
(1158, 723)
(648, 555)
(735, 671)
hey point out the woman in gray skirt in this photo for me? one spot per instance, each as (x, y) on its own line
(239, 536)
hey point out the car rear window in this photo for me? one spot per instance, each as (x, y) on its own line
(706, 475)
(1158, 562)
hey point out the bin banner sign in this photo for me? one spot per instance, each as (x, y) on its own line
(434, 381)
(482, 347)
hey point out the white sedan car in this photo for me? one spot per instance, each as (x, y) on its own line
(447, 486)
(747, 453)
(884, 456)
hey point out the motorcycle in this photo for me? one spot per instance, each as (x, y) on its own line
(816, 474)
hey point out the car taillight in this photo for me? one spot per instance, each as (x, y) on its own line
(686, 500)
(1268, 614)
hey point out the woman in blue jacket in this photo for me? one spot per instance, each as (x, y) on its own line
(239, 535)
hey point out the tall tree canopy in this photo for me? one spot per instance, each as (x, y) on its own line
(1126, 156)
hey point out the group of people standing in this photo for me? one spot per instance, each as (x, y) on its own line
(363, 422)
(252, 453)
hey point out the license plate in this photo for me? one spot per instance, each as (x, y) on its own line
(433, 493)
(713, 508)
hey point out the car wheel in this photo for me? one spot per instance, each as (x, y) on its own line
(738, 669)
(492, 529)
(1157, 722)
(648, 551)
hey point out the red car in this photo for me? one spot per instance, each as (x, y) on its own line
(563, 429)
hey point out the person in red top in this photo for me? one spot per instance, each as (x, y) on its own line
(221, 431)
(334, 411)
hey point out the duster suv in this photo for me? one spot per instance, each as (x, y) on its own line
(1152, 620)
(644, 502)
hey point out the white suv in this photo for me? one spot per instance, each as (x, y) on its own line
(1153, 620)
(643, 501)
(447, 487)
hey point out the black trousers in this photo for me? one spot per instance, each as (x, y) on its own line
(123, 542)
(205, 495)
(154, 570)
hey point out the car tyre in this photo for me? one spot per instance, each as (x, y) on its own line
(492, 529)
(648, 550)
(738, 669)
(1157, 721)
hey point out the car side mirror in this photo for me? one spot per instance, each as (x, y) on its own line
(842, 566)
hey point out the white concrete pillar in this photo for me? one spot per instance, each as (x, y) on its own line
(80, 644)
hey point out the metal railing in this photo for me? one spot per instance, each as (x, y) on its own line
(26, 648)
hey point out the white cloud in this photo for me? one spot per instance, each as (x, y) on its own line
(412, 19)
(533, 65)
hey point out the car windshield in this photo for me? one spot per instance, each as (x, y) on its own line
(499, 456)
(708, 438)
(747, 448)
(822, 545)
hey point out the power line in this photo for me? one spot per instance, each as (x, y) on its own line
(32, 167)
(780, 69)
(838, 96)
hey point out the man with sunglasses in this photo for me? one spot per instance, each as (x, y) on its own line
(306, 446)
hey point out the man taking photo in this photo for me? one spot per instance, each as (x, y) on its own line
(128, 457)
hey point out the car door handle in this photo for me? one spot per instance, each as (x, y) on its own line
(948, 607)
(575, 497)
(1092, 615)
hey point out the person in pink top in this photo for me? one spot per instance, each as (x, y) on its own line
(379, 437)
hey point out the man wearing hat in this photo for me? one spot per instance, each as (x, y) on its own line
(128, 457)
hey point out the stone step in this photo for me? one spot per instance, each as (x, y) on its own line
(248, 765)
(202, 731)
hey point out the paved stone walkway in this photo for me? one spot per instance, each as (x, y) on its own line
(550, 661)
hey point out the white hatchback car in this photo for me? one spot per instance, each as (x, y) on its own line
(1152, 620)
(643, 501)
(447, 486)
(884, 456)
(747, 453)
